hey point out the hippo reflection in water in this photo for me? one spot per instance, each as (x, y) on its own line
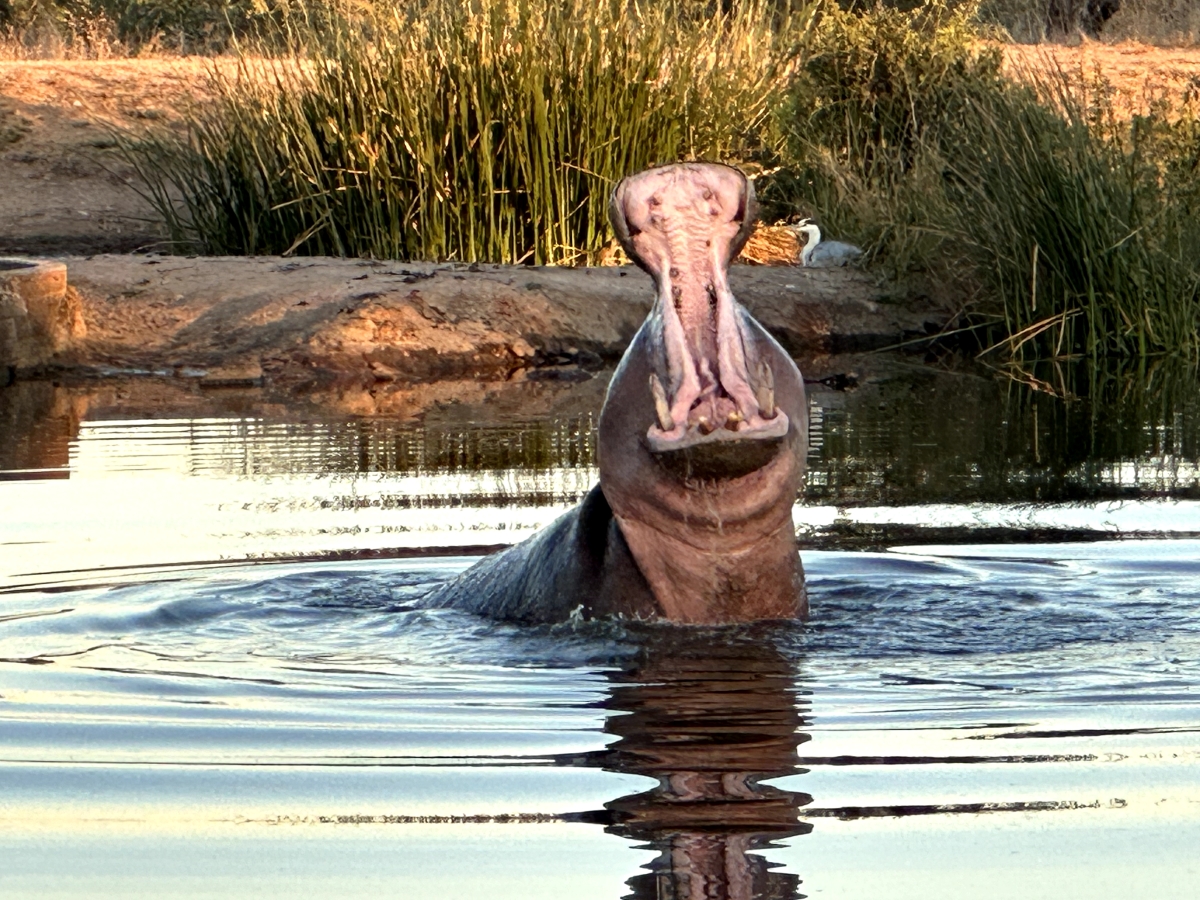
(708, 720)
(702, 444)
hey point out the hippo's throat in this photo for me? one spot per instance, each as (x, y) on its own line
(684, 226)
(709, 394)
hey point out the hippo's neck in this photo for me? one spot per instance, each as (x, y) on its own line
(714, 581)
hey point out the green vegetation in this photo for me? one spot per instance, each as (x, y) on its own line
(484, 130)
(494, 130)
(1081, 228)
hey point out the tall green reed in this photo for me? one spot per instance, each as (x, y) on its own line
(1079, 225)
(1078, 231)
(481, 130)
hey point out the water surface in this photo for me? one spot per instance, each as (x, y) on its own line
(212, 680)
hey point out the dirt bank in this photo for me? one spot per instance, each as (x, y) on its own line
(65, 189)
(306, 324)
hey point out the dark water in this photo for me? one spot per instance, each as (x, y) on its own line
(212, 682)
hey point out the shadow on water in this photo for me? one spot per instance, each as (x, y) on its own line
(38, 420)
(708, 720)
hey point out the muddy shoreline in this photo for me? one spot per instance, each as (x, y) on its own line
(303, 324)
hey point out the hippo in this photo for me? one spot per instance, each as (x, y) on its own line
(702, 442)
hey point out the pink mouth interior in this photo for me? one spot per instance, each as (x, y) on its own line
(684, 224)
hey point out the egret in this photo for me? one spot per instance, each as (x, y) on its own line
(818, 253)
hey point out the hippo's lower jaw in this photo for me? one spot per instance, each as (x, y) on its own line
(720, 457)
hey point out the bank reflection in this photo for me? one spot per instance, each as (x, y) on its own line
(898, 434)
(709, 720)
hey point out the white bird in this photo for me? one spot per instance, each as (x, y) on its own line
(820, 253)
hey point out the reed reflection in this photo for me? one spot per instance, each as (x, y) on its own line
(709, 720)
(905, 435)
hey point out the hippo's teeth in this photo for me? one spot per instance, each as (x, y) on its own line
(734, 419)
(764, 391)
(662, 409)
(705, 426)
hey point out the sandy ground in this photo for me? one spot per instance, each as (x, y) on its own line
(1138, 74)
(63, 188)
(341, 326)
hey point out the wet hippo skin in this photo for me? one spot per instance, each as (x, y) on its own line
(702, 442)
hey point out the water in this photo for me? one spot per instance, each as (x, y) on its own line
(212, 681)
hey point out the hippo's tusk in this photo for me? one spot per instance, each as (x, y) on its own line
(764, 391)
(704, 426)
(734, 419)
(662, 409)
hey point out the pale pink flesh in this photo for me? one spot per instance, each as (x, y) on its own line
(682, 222)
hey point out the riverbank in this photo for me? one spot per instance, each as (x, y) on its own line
(302, 324)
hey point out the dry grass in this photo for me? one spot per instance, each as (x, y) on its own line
(1136, 77)
(769, 245)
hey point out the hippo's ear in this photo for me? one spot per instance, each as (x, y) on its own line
(747, 214)
(616, 215)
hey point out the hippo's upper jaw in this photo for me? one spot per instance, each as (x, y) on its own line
(684, 224)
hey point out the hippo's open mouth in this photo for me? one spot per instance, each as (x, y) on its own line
(684, 224)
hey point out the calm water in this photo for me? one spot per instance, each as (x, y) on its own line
(212, 682)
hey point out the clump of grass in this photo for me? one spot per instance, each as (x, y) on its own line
(1079, 230)
(480, 130)
(1083, 225)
